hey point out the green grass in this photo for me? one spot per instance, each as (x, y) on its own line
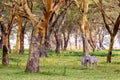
(66, 66)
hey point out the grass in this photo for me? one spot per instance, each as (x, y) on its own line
(66, 66)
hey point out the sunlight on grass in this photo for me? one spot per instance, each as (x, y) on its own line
(66, 66)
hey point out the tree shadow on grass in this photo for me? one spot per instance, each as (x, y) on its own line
(115, 63)
(15, 59)
(50, 73)
(72, 53)
(112, 63)
(80, 53)
(116, 50)
(102, 53)
(117, 70)
(54, 70)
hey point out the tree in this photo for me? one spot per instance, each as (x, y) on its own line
(66, 30)
(83, 8)
(112, 31)
(57, 33)
(5, 36)
(71, 27)
(38, 32)
(17, 46)
(21, 51)
(55, 24)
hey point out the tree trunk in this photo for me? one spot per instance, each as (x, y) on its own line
(22, 38)
(115, 30)
(85, 32)
(92, 40)
(91, 44)
(85, 46)
(17, 46)
(76, 41)
(0, 43)
(79, 44)
(101, 37)
(46, 45)
(112, 33)
(57, 50)
(43, 51)
(9, 43)
(66, 39)
(5, 41)
(22, 41)
(110, 49)
(61, 43)
(38, 33)
(65, 44)
(33, 58)
(83, 8)
(5, 49)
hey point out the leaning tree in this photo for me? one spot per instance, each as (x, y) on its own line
(111, 30)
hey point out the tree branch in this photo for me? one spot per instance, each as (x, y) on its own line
(29, 13)
(5, 4)
(102, 11)
(57, 5)
(104, 16)
(116, 26)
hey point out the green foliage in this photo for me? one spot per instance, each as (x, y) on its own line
(66, 66)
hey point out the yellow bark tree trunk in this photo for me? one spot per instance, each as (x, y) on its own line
(5, 39)
(38, 34)
(17, 46)
(83, 8)
(5, 49)
(85, 35)
(110, 49)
